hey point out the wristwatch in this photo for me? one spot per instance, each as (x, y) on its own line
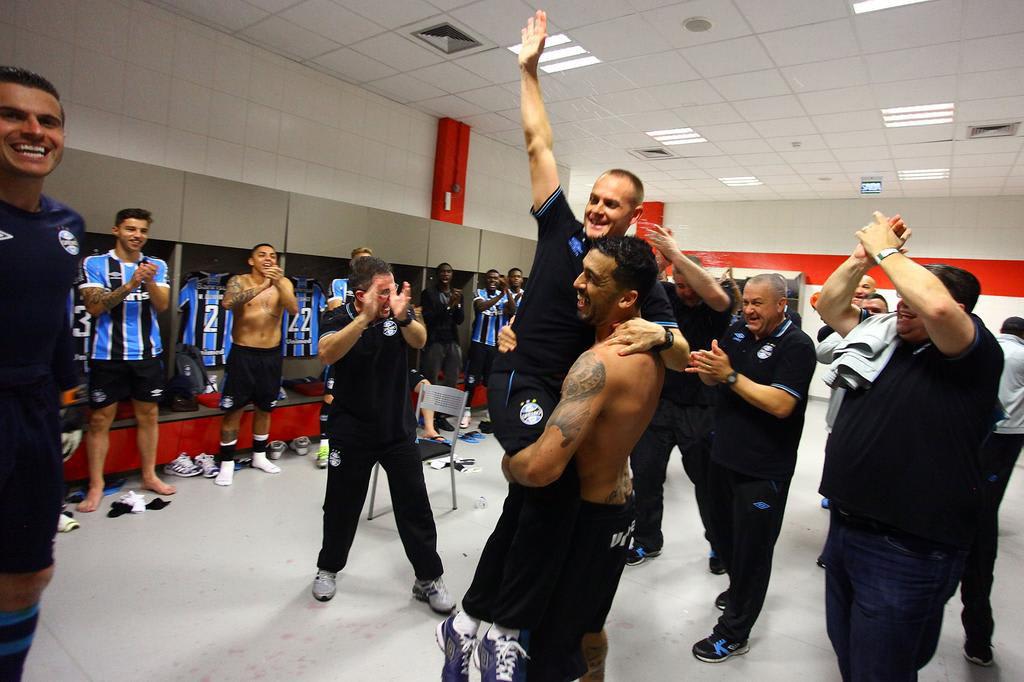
(406, 322)
(667, 343)
(733, 376)
(885, 253)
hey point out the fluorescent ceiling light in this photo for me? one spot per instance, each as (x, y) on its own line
(673, 131)
(552, 41)
(745, 181)
(571, 64)
(674, 136)
(924, 174)
(562, 53)
(876, 5)
(920, 115)
(689, 140)
(684, 136)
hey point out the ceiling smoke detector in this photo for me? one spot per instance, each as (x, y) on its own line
(697, 24)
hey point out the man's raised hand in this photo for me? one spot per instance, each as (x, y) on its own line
(400, 301)
(533, 41)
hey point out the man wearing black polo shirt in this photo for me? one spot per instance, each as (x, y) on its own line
(522, 559)
(763, 367)
(901, 465)
(683, 419)
(371, 421)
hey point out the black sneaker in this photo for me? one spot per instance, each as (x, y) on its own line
(486, 427)
(722, 600)
(636, 555)
(715, 564)
(716, 649)
(978, 654)
(441, 424)
(820, 561)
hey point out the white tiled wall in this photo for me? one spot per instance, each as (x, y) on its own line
(143, 84)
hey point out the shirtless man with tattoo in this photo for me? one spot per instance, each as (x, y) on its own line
(607, 401)
(253, 374)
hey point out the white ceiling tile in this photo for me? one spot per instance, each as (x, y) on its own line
(570, 13)
(986, 84)
(490, 123)
(496, 66)
(576, 109)
(818, 42)
(925, 162)
(653, 120)
(988, 183)
(989, 54)
(771, 15)
(403, 88)
(862, 153)
(284, 36)
(921, 91)
(775, 170)
(619, 38)
(272, 6)
(714, 163)
(919, 62)
(604, 126)
(726, 22)
(598, 79)
(634, 102)
(785, 144)
(796, 157)
(786, 106)
(981, 172)
(656, 69)
(354, 66)
(992, 17)
(491, 98)
(331, 21)
(860, 138)
(397, 52)
(848, 121)
(925, 23)
(842, 99)
(455, 107)
(688, 94)
(998, 109)
(790, 128)
(994, 145)
(826, 75)
(920, 150)
(820, 168)
(728, 56)
(757, 153)
(449, 77)
(748, 147)
(729, 131)
(912, 134)
(630, 140)
(391, 13)
(233, 15)
(738, 86)
(709, 113)
(976, 160)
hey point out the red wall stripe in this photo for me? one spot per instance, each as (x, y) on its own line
(997, 277)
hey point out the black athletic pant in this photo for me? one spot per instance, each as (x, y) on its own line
(348, 478)
(689, 428)
(746, 517)
(998, 457)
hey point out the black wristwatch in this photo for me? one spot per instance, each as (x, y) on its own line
(733, 376)
(667, 343)
(406, 322)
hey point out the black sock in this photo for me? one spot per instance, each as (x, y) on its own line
(157, 504)
(227, 452)
(17, 628)
(118, 509)
(259, 444)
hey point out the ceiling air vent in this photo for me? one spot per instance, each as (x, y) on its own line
(653, 153)
(447, 38)
(997, 130)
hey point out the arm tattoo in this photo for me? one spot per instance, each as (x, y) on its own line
(235, 296)
(108, 299)
(585, 381)
(595, 655)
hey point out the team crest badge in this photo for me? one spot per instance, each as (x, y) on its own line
(98, 396)
(227, 402)
(765, 351)
(530, 413)
(68, 241)
(738, 336)
(390, 327)
(335, 459)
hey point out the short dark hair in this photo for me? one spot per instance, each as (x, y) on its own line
(638, 186)
(364, 269)
(133, 213)
(878, 297)
(494, 271)
(441, 265)
(963, 286)
(511, 270)
(253, 249)
(1012, 325)
(30, 79)
(635, 267)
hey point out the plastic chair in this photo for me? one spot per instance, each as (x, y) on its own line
(442, 400)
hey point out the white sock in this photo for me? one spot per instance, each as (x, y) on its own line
(325, 444)
(497, 631)
(226, 474)
(260, 461)
(465, 625)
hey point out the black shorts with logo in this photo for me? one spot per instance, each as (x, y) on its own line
(253, 375)
(114, 380)
(586, 588)
(520, 405)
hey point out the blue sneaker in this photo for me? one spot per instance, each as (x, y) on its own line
(501, 660)
(716, 649)
(457, 648)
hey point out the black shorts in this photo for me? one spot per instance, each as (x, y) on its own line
(415, 379)
(519, 405)
(481, 359)
(31, 476)
(585, 591)
(114, 380)
(253, 375)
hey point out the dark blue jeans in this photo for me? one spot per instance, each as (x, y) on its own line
(884, 595)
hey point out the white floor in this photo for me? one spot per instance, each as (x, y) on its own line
(216, 587)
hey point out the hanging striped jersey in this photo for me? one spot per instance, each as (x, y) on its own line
(488, 322)
(300, 333)
(339, 290)
(129, 331)
(205, 323)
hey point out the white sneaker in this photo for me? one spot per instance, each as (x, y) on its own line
(208, 465)
(301, 446)
(466, 416)
(276, 449)
(434, 593)
(182, 466)
(325, 585)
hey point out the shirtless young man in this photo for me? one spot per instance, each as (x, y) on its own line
(607, 402)
(253, 375)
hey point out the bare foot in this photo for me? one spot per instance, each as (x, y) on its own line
(158, 486)
(92, 500)
(430, 433)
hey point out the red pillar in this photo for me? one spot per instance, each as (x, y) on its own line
(448, 198)
(654, 212)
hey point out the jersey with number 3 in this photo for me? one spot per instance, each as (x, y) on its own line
(205, 323)
(300, 333)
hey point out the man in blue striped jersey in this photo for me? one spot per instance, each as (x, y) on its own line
(123, 291)
(494, 307)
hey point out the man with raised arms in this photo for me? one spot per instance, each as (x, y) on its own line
(258, 300)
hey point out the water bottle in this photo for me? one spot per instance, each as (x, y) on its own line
(481, 503)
